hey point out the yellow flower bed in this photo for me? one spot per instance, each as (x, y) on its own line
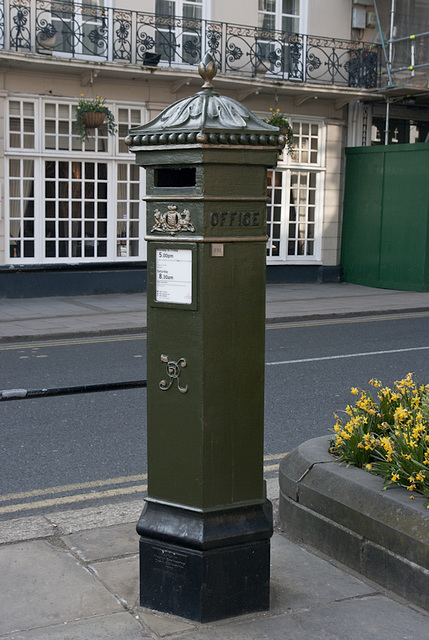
(390, 436)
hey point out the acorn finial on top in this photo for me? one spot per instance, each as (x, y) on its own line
(207, 70)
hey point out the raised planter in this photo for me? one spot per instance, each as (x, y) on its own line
(343, 512)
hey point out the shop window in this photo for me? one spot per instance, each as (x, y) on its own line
(75, 209)
(21, 208)
(127, 216)
(64, 204)
(295, 192)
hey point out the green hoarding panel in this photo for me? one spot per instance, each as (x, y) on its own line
(386, 210)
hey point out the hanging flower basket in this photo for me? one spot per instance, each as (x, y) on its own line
(278, 120)
(93, 119)
(91, 114)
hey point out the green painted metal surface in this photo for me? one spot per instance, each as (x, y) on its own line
(205, 444)
(206, 160)
(385, 237)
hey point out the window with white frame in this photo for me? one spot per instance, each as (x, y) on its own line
(78, 28)
(276, 20)
(279, 15)
(180, 41)
(295, 198)
(68, 201)
(21, 202)
(128, 227)
(75, 209)
(22, 124)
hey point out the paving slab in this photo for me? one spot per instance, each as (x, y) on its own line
(163, 626)
(121, 578)
(105, 542)
(373, 618)
(301, 579)
(118, 626)
(41, 586)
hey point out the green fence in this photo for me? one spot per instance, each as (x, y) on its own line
(385, 238)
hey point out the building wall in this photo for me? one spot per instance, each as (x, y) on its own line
(331, 232)
(330, 18)
(317, 114)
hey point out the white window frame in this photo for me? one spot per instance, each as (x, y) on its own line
(77, 16)
(179, 31)
(278, 15)
(113, 157)
(287, 165)
(301, 18)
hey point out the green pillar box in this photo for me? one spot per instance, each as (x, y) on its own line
(206, 526)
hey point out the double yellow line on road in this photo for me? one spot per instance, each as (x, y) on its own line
(69, 342)
(137, 484)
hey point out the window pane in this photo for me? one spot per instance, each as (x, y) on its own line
(14, 209)
(122, 191)
(291, 7)
(28, 167)
(134, 229)
(14, 107)
(28, 141)
(134, 172)
(14, 168)
(102, 210)
(50, 128)
(165, 7)
(28, 109)
(28, 125)
(290, 25)
(28, 249)
(76, 210)
(134, 191)
(102, 191)
(267, 5)
(134, 248)
(14, 124)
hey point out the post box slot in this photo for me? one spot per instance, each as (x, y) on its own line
(181, 177)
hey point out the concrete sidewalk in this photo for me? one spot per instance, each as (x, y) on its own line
(73, 574)
(35, 318)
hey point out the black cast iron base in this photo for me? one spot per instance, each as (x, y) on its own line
(205, 567)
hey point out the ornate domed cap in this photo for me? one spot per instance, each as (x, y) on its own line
(206, 118)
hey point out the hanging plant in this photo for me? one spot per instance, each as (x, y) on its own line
(277, 119)
(91, 114)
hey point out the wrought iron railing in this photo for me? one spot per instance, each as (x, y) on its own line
(69, 29)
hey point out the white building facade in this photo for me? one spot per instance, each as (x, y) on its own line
(70, 207)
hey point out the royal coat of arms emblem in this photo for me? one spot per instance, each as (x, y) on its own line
(172, 221)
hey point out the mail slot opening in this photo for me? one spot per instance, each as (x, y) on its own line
(182, 177)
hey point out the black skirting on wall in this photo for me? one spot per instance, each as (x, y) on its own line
(297, 273)
(72, 280)
(79, 280)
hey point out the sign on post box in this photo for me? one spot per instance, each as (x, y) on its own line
(174, 275)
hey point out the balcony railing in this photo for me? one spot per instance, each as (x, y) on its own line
(68, 29)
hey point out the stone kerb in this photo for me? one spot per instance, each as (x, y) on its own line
(343, 512)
